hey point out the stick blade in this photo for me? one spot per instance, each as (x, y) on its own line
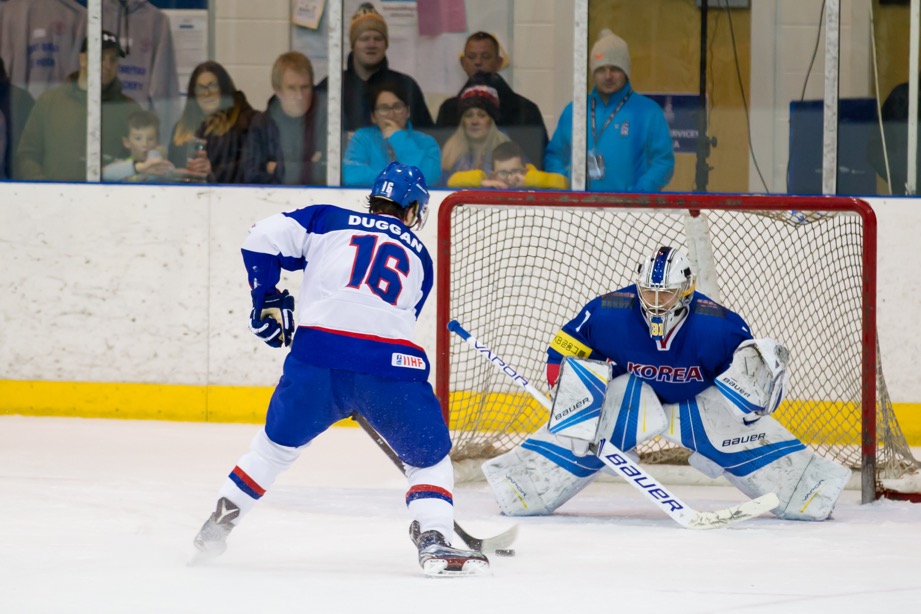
(488, 545)
(732, 515)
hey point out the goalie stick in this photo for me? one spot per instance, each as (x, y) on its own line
(623, 465)
(498, 544)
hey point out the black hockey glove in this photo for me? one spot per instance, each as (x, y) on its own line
(273, 320)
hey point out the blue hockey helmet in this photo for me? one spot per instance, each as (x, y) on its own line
(405, 186)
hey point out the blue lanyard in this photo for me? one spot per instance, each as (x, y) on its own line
(597, 133)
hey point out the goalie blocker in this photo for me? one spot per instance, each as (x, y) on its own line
(729, 434)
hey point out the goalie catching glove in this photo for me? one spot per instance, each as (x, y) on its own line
(272, 319)
(757, 379)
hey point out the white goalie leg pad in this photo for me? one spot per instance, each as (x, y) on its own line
(632, 413)
(256, 471)
(757, 458)
(807, 484)
(539, 476)
(544, 472)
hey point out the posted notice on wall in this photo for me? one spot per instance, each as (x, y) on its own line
(190, 39)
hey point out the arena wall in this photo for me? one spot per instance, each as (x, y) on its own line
(122, 301)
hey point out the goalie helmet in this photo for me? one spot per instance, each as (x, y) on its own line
(405, 186)
(665, 286)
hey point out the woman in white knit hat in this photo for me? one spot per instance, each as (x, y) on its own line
(629, 145)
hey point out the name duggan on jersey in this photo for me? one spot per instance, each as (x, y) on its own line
(396, 230)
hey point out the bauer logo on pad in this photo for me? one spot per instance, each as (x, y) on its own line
(407, 362)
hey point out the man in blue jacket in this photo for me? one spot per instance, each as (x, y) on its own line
(629, 146)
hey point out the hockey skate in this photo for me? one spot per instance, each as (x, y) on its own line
(437, 558)
(211, 540)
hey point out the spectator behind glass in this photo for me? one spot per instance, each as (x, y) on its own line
(53, 143)
(390, 139)
(368, 66)
(894, 114)
(518, 117)
(509, 171)
(15, 106)
(472, 144)
(287, 142)
(629, 144)
(146, 159)
(209, 137)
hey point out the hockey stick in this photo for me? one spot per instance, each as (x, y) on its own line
(498, 544)
(623, 466)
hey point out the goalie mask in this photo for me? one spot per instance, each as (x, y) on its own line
(405, 186)
(665, 286)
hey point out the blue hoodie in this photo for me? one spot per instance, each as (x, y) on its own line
(636, 145)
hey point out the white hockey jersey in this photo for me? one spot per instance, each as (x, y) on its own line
(366, 278)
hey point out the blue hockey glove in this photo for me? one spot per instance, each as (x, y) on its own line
(273, 319)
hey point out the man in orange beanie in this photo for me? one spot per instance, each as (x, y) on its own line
(367, 66)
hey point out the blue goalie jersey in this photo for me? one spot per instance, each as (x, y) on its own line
(611, 327)
(366, 278)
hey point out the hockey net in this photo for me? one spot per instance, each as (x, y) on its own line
(513, 267)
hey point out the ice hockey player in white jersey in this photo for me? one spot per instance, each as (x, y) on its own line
(682, 367)
(366, 278)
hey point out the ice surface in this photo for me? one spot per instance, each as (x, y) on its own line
(98, 516)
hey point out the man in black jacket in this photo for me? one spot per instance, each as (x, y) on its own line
(518, 117)
(367, 66)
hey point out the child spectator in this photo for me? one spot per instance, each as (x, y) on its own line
(145, 161)
(471, 145)
(390, 139)
(509, 171)
(209, 137)
(52, 146)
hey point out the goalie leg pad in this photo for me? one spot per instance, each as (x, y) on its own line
(807, 485)
(632, 413)
(539, 476)
(757, 458)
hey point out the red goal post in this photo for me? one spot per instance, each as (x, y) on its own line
(514, 266)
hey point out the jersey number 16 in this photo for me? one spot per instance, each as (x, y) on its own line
(381, 268)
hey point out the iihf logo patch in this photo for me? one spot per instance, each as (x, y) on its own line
(625, 129)
(406, 361)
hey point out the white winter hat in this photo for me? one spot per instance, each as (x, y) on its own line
(610, 50)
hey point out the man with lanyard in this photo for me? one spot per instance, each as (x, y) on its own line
(629, 145)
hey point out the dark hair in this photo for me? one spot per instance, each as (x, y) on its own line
(379, 204)
(507, 151)
(484, 36)
(192, 116)
(387, 85)
(143, 119)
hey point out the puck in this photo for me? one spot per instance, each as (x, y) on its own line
(505, 552)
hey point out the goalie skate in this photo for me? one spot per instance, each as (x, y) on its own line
(438, 559)
(211, 540)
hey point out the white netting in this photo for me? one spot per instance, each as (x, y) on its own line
(518, 273)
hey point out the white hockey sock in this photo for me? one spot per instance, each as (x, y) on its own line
(430, 498)
(256, 471)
